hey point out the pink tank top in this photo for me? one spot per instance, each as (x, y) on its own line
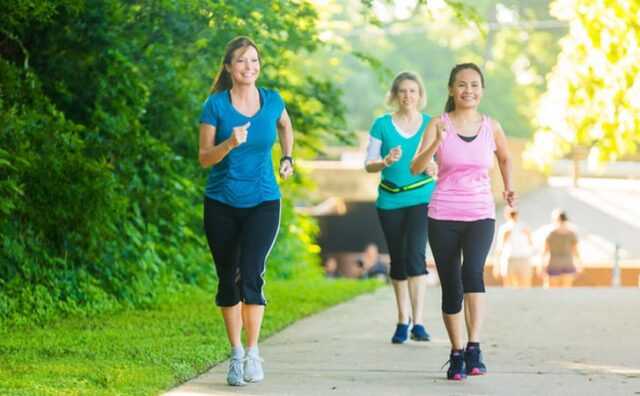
(463, 190)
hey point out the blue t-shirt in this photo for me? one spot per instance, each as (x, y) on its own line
(245, 177)
(399, 173)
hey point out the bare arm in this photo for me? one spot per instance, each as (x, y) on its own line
(210, 153)
(504, 162)
(576, 255)
(376, 165)
(544, 262)
(506, 236)
(285, 135)
(527, 233)
(431, 139)
(502, 237)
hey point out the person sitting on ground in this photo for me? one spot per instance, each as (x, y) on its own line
(331, 268)
(371, 266)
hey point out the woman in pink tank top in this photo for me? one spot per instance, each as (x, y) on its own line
(462, 209)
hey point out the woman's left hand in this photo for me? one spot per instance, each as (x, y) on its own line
(286, 169)
(510, 197)
(432, 169)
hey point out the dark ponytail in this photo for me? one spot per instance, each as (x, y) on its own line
(451, 104)
(222, 82)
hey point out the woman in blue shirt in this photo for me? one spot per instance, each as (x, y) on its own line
(403, 199)
(238, 127)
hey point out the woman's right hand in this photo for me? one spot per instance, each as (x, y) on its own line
(393, 156)
(441, 131)
(239, 135)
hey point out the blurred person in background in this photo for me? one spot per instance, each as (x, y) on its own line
(561, 257)
(513, 251)
(371, 266)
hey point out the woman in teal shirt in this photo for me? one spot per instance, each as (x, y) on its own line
(238, 126)
(403, 199)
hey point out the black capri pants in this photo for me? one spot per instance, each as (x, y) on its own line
(405, 230)
(240, 240)
(454, 241)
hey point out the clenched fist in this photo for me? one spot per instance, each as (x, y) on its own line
(393, 156)
(239, 135)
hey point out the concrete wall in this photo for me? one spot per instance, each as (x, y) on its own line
(590, 277)
(597, 276)
(620, 169)
(347, 180)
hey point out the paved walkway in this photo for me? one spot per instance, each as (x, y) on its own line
(605, 212)
(578, 341)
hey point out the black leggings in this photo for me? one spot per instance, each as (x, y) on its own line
(405, 231)
(240, 240)
(450, 242)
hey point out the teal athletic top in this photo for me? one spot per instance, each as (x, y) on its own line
(398, 173)
(245, 177)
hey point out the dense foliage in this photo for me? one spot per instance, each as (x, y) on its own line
(100, 190)
(593, 93)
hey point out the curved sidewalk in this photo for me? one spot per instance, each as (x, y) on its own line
(579, 341)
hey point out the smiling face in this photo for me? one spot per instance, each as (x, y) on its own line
(408, 96)
(467, 89)
(244, 67)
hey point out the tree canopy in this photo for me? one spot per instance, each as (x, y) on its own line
(593, 93)
(515, 42)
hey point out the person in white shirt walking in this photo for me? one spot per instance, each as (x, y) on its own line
(514, 251)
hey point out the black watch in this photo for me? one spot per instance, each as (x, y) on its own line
(287, 158)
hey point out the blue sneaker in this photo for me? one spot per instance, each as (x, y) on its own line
(401, 335)
(457, 367)
(418, 333)
(473, 360)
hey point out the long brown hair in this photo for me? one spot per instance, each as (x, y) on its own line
(222, 82)
(451, 105)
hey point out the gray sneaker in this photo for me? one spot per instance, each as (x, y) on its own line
(253, 368)
(235, 374)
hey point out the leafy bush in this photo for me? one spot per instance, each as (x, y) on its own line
(101, 194)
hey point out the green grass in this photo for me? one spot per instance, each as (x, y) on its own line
(145, 352)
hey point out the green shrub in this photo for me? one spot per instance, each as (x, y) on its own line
(100, 188)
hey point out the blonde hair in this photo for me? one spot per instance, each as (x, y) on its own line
(395, 85)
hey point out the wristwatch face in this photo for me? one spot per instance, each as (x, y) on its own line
(287, 159)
